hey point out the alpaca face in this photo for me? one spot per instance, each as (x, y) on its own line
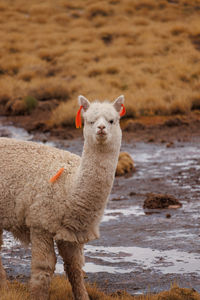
(101, 121)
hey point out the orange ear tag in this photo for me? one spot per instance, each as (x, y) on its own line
(122, 113)
(57, 175)
(78, 118)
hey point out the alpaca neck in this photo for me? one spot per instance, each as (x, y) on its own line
(90, 190)
(98, 165)
(94, 179)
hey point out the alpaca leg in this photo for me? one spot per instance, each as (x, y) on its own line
(42, 264)
(2, 271)
(72, 254)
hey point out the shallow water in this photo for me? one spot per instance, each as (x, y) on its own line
(138, 250)
(169, 261)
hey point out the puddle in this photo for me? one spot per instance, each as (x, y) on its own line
(172, 165)
(114, 214)
(166, 262)
(93, 268)
(15, 132)
(128, 259)
(19, 134)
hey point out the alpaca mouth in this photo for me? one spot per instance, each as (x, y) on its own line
(102, 135)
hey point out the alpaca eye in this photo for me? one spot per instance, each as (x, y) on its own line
(91, 123)
(111, 121)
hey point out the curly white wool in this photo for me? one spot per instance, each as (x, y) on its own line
(70, 209)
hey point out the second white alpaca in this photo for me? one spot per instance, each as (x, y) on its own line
(67, 210)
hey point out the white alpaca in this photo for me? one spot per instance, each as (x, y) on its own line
(67, 210)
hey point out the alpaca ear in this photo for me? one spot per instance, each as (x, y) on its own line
(118, 103)
(84, 102)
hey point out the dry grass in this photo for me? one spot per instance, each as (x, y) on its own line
(61, 290)
(148, 50)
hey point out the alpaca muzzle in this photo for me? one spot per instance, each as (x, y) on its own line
(101, 132)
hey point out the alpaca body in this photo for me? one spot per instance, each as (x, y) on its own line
(32, 201)
(68, 210)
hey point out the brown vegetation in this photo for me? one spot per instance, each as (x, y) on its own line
(147, 50)
(125, 164)
(61, 290)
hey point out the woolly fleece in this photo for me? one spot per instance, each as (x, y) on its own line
(70, 209)
(67, 210)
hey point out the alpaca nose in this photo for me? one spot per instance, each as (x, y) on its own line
(102, 127)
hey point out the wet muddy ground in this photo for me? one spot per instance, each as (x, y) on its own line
(139, 250)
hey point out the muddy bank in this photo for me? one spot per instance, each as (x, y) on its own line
(138, 251)
(150, 129)
(163, 129)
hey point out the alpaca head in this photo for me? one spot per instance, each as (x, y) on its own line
(101, 121)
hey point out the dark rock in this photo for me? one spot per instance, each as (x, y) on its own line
(159, 201)
(170, 144)
(119, 198)
(168, 216)
(132, 194)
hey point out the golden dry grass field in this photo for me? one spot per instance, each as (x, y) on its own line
(52, 51)
(61, 290)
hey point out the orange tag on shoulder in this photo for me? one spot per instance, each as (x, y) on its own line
(57, 175)
(123, 111)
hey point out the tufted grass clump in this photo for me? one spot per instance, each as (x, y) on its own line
(64, 114)
(125, 164)
(50, 89)
(30, 103)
